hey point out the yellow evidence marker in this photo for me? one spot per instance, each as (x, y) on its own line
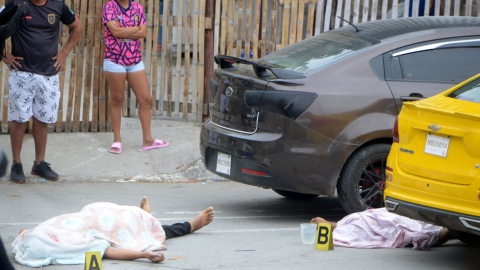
(324, 237)
(93, 260)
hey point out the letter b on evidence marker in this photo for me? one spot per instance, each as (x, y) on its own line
(324, 237)
(93, 260)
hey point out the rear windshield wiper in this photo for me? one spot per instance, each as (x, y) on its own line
(225, 61)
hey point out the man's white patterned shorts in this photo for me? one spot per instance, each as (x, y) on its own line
(33, 94)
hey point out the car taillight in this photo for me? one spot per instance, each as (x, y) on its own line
(396, 138)
(253, 172)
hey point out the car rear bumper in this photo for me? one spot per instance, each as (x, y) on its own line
(445, 204)
(452, 220)
(300, 161)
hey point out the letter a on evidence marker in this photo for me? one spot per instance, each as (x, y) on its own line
(324, 237)
(93, 260)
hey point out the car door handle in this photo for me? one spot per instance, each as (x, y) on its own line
(412, 97)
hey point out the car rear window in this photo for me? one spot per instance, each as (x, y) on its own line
(469, 92)
(316, 52)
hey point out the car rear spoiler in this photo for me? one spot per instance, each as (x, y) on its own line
(225, 61)
(470, 116)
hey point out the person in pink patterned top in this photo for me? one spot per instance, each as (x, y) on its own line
(125, 26)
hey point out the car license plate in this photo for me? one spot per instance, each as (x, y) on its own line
(437, 145)
(224, 163)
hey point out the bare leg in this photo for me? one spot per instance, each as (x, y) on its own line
(321, 220)
(145, 204)
(445, 235)
(139, 83)
(116, 81)
(115, 253)
(40, 137)
(203, 219)
(17, 132)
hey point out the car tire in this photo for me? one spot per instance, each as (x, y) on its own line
(467, 238)
(362, 181)
(295, 195)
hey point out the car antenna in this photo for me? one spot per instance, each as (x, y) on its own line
(356, 28)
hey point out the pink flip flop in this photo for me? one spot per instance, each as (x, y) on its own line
(116, 145)
(156, 144)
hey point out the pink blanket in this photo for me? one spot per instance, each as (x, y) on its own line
(378, 228)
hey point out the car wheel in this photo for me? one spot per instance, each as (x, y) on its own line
(295, 195)
(467, 238)
(362, 181)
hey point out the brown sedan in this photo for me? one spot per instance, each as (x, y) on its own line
(317, 116)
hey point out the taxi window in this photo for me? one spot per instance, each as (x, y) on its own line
(469, 92)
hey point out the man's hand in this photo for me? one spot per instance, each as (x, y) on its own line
(60, 59)
(24, 9)
(11, 61)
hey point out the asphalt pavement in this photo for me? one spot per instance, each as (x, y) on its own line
(81, 157)
(254, 228)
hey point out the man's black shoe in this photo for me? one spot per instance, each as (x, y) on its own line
(17, 175)
(43, 170)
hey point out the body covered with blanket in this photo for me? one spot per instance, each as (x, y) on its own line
(65, 239)
(378, 228)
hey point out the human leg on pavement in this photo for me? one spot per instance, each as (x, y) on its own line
(181, 229)
(116, 82)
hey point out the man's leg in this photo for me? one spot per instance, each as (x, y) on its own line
(45, 110)
(40, 138)
(198, 222)
(17, 132)
(181, 229)
(20, 106)
(177, 229)
(444, 236)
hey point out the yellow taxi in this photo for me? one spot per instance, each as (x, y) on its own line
(433, 169)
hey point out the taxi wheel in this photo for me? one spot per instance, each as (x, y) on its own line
(467, 238)
(362, 180)
(295, 195)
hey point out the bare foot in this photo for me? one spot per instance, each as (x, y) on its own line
(145, 204)
(155, 257)
(22, 230)
(203, 219)
(148, 142)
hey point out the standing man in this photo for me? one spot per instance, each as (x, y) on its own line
(34, 85)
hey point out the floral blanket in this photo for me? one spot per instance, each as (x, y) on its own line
(65, 239)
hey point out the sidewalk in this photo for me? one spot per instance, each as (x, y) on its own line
(78, 157)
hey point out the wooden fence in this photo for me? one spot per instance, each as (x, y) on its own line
(245, 28)
(242, 28)
(84, 105)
